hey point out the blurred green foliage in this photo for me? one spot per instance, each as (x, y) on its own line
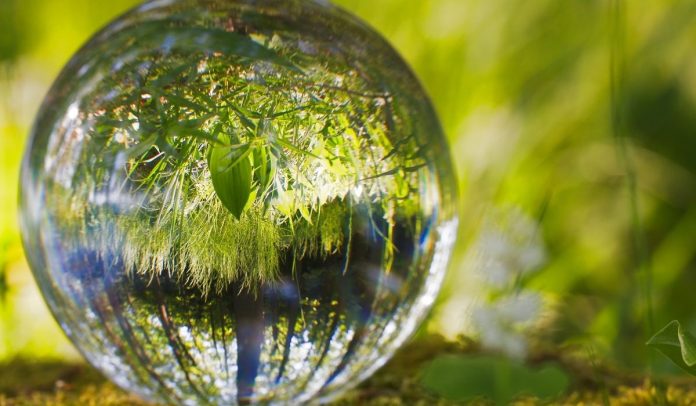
(464, 378)
(15, 18)
(524, 92)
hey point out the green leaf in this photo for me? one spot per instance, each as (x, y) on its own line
(236, 153)
(264, 168)
(182, 130)
(230, 170)
(677, 344)
(462, 378)
(142, 146)
(164, 145)
(181, 101)
(168, 77)
(291, 147)
(243, 117)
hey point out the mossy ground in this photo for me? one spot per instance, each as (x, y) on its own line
(58, 384)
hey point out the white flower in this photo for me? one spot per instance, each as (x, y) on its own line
(503, 325)
(509, 246)
(523, 308)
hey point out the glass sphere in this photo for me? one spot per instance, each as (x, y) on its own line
(237, 201)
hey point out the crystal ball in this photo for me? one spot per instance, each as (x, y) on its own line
(237, 201)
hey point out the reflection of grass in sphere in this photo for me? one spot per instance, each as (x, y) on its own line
(235, 205)
(184, 138)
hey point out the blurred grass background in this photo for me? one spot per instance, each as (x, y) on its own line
(578, 191)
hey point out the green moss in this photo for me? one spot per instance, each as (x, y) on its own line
(398, 383)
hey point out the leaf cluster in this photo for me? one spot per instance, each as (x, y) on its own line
(233, 154)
